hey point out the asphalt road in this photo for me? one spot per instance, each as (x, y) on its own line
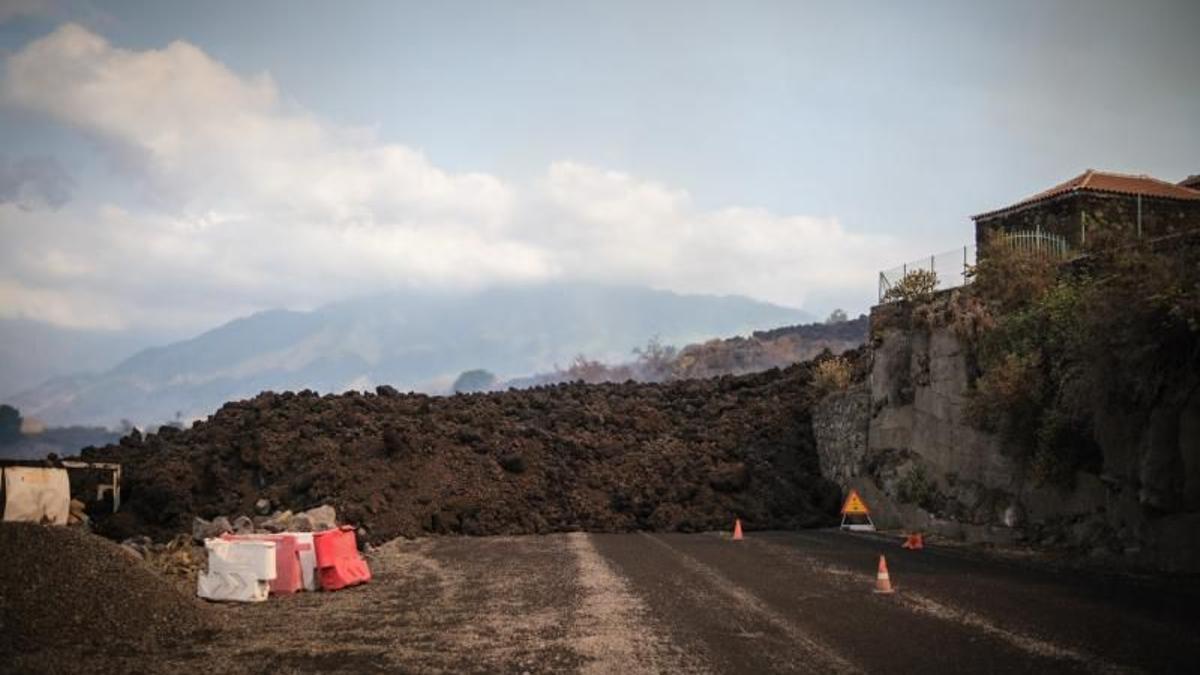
(639, 603)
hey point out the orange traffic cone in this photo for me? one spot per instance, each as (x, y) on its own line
(914, 542)
(737, 529)
(883, 582)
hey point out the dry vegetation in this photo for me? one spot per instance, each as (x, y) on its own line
(656, 362)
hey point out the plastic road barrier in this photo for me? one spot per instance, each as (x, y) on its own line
(238, 570)
(36, 495)
(289, 572)
(338, 562)
(308, 559)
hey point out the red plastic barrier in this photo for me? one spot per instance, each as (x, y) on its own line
(288, 577)
(338, 562)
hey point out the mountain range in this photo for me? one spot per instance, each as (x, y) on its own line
(412, 341)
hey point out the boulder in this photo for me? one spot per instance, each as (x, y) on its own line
(321, 518)
(204, 529)
(300, 523)
(200, 528)
(279, 522)
(263, 506)
(243, 525)
(221, 525)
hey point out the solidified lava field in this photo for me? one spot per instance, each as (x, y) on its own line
(679, 456)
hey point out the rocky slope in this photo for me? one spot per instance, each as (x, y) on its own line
(762, 350)
(685, 456)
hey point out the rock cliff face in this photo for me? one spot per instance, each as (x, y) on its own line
(903, 440)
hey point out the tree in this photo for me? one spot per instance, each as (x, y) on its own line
(474, 380)
(837, 316)
(655, 359)
(10, 424)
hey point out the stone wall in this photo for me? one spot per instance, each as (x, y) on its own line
(840, 423)
(1077, 216)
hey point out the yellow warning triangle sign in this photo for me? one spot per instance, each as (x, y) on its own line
(854, 504)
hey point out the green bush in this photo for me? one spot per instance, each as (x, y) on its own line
(917, 488)
(1119, 327)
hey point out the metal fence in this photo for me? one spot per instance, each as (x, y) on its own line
(952, 268)
(1038, 242)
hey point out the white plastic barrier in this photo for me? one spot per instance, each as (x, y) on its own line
(36, 495)
(308, 559)
(239, 570)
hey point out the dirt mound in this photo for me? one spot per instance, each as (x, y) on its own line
(65, 588)
(682, 456)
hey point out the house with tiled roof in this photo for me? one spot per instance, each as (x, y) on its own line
(1100, 201)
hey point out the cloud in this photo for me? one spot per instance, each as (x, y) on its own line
(12, 9)
(250, 202)
(34, 182)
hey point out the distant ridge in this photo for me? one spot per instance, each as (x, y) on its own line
(417, 341)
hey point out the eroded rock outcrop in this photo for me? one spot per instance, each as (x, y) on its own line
(903, 438)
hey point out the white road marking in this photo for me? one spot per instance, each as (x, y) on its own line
(923, 604)
(613, 627)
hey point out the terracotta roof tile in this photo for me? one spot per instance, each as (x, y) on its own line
(1104, 181)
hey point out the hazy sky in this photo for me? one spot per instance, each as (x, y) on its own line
(180, 164)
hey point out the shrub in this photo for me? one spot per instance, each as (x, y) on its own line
(1117, 328)
(961, 311)
(917, 488)
(1008, 279)
(915, 286)
(1064, 446)
(832, 374)
(1008, 398)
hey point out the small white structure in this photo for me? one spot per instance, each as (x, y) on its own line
(36, 495)
(238, 570)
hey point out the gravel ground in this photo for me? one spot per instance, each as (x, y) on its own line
(697, 603)
(66, 592)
